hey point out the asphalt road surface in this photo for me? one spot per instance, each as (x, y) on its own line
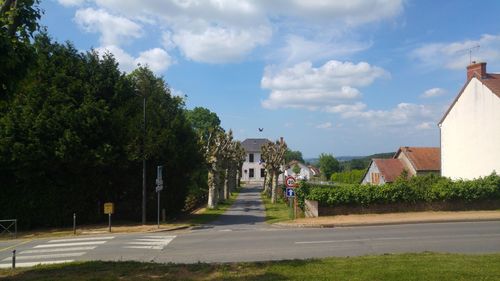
(242, 235)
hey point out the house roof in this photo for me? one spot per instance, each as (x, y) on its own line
(254, 145)
(422, 158)
(490, 80)
(314, 169)
(390, 169)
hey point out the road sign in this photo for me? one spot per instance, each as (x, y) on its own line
(109, 208)
(290, 182)
(290, 192)
(159, 180)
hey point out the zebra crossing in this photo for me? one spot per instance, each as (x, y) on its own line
(55, 251)
(150, 242)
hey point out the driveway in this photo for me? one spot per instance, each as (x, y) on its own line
(247, 212)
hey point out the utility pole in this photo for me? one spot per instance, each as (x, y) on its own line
(144, 160)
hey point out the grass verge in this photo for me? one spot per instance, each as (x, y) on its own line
(275, 212)
(423, 266)
(206, 215)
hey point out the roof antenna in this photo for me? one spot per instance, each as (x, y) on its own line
(469, 50)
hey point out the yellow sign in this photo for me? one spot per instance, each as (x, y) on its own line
(109, 208)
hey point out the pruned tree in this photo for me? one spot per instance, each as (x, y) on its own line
(273, 155)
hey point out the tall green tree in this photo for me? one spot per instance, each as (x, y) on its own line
(293, 155)
(328, 165)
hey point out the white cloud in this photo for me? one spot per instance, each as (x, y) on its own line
(156, 59)
(298, 48)
(114, 30)
(353, 12)
(455, 55)
(220, 45)
(426, 126)
(344, 108)
(304, 86)
(434, 92)
(221, 31)
(69, 3)
(404, 114)
(326, 125)
(177, 93)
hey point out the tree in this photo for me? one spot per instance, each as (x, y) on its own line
(293, 155)
(273, 155)
(296, 169)
(328, 165)
(203, 121)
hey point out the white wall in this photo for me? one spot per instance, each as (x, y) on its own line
(305, 172)
(470, 134)
(368, 177)
(255, 165)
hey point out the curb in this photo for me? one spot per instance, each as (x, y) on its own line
(334, 225)
(171, 229)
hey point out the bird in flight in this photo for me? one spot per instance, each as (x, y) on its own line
(261, 129)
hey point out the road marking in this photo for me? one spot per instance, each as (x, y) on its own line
(29, 264)
(150, 242)
(399, 238)
(52, 256)
(81, 239)
(57, 250)
(18, 244)
(144, 247)
(71, 244)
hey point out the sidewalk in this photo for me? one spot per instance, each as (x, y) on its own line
(393, 218)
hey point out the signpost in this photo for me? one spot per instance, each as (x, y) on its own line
(109, 208)
(159, 187)
(290, 184)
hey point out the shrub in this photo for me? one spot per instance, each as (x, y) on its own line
(352, 176)
(428, 188)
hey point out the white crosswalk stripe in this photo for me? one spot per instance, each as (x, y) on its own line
(150, 242)
(56, 251)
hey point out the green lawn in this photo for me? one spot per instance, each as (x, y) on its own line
(402, 267)
(275, 212)
(208, 215)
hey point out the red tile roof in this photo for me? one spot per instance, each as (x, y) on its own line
(390, 169)
(422, 158)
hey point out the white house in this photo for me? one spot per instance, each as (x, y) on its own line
(470, 129)
(305, 172)
(253, 169)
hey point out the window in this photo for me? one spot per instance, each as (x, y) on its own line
(262, 173)
(250, 157)
(375, 178)
(250, 173)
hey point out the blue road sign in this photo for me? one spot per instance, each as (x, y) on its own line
(290, 192)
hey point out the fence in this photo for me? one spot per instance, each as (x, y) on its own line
(6, 227)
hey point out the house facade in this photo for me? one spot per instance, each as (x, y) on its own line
(305, 172)
(415, 160)
(253, 169)
(470, 129)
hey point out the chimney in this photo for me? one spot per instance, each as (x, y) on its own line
(477, 70)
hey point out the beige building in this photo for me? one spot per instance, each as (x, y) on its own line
(470, 129)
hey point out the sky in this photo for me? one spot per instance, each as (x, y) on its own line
(343, 77)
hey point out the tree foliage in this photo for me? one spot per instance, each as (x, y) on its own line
(328, 165)
(71, 139)
(352, 176)
(293, 155)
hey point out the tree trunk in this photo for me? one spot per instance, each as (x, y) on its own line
(212, 189)
(222, 181)
(226, 184)
(274, 189)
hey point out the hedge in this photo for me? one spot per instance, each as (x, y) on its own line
(429, 188)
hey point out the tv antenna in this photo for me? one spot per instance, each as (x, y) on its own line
(470, 50)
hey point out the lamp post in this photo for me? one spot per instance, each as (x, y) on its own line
(144, 159)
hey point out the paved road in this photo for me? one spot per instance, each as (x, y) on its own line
(247, 212)
(241, 235)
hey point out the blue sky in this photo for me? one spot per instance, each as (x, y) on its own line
(343, 77)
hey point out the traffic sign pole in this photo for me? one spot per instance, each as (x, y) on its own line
(159, 187)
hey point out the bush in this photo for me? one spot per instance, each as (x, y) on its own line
(352, 176)
(428, 188)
